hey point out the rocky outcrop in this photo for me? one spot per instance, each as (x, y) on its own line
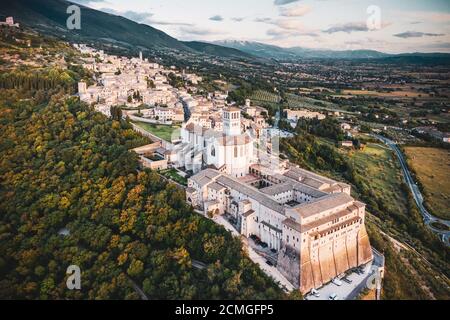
(288, 265)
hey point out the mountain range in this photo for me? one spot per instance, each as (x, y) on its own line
(294, 53)
(49, 16)
(275, 52)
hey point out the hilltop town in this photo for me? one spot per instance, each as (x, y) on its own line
(302, 222)
(298, 182)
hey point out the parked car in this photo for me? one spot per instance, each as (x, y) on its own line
(269, 263)
(345, 279)
(273, 250)
(264, 245)
(337, 282)
(333, 296)
(315, 293)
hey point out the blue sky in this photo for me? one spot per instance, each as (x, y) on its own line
(388, 26)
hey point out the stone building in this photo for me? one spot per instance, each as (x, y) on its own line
(312, 222)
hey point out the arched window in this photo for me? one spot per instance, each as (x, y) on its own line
(213, 151)
(235, 152)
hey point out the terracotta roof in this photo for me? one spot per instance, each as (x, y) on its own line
(292, 224)
(323, 204)
(216, 186)
(251, 192)
(231, 109)
(248, 213)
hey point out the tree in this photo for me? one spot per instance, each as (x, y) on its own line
(136, 268)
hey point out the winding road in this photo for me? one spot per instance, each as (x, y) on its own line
(418, 198)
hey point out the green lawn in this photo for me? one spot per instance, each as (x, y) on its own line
(161, 131)
(173, 174)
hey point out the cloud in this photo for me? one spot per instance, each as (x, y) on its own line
(265, 20)
(143, 17)
(216, 18)
(283, 2)
(348, 27)
(283, 33)
(199, 31)
(132, 15)
(440, 17)
(353, 27)
(417, 34)
(297, 11)
(237, 19)
(288, 24)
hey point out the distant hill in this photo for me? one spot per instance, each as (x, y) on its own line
(279, 53)
(258, 49)
(49, 17)
(217, 50)
(274, 52)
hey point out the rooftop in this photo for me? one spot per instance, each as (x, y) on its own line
(251, 192)
(325, 203)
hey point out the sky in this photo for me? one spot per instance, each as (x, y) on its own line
(391, 26)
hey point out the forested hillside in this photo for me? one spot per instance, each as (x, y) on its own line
(65, 166)
(71, 194)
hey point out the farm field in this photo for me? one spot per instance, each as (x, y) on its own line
(393, 94)
(295, 102)
(161, 131)
(432, 168)
(265, 96)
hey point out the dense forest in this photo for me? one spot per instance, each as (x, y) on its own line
(67, 167)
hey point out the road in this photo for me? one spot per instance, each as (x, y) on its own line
(271, 271)
(417, 195)
(138, 290)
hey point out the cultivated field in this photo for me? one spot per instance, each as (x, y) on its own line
(393, 94)
(265, 96)
(432, 168)
(295, 102)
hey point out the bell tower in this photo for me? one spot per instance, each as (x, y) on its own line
(232, 121)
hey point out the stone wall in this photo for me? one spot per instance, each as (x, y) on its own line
(312, 269)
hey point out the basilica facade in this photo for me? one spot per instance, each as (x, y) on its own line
(230, 151)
